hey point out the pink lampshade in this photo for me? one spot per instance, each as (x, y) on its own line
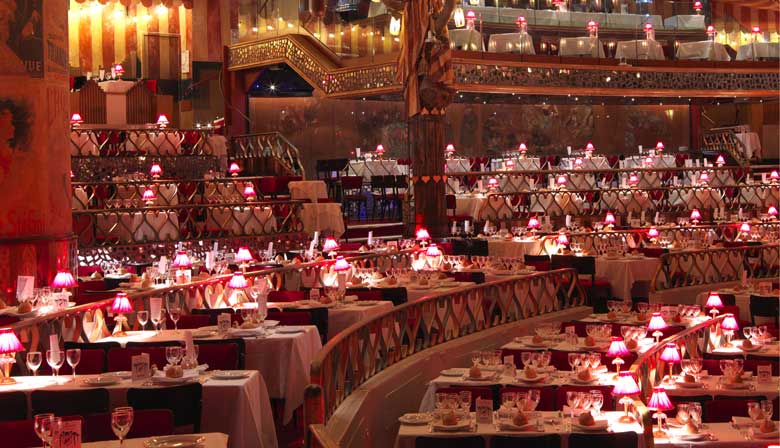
(561, 180)
(9, 343)
(652, 232)
(659, 146)
(234, 169)
(249, 192)
(589, 146)
(609, 219)
(510, 164)
(695, 215)
(772, 211)
(492, 182)
(341, 264)
(744, 227)
(162, 121)
(648, 161)
(729, 323)
(671, 353)
(432, 251)
(330, 245)
(697, 6)
(522, 148)
(471, 15)
(704, 178)
(711, 30)
(774, 175)
(592, 24)
(422, 234)
(520, 20)
(617, 348)
(533, 223)
(626, 385)
(578, 162)
(380, 149)
(633, 179)
(243, 255)
(76, 119)
(121, 304)
(648, 27)
(660, 400)
(63, 279)
(720, 161)
(450, 149)
(756, 30)
(155, 170)
(713, 300)
(182, 260)
(149, 195)
(562, 239)
(657, 323)
(237, 281)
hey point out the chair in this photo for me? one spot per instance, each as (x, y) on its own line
(93, 361)
(222, 354)
(141, 344)
(585, 266)
(476, 392)
(721, 410)
(545, 441)
(185, 402)
(352, 194)
(290, 317)
(13, 406)
(371, 294)
(379, 194)
(69, 402)
(286, 296)
(469, 246)
(454, 442)
(189, 321)
(540, 262)
(609, 403)
(546, 394)
(146, 423)
(452, 215)
(767, 307)
(475, 277)
(610, 440)
(119, 359)
(212, 313)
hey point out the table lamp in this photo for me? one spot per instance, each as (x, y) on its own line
(234, 169)
(711, 32)
(380, 150)
(659, 147)
(729, 326)
(510, 165)
(660, 402)
(653, 234)
(63, 280)
(155, 171)
(561, 182)
(182, 263)
(341, 267)
(422, 236)
(772, 212)
(237, 281)
(562, 240)
(720, 161)
(756, 33)
(578, 162)
(493, 184)
(433, 256)
(698, 6)
(609, 220)
(671, 356)
(120, 307)
(704, 178)
(522, 149)
(744, 229)
(649, 34)
(330, 246)
(695, 216)
(9, 345)
(76, 120)
(714, 303)
(119, 69)
(149, 197)
(237, 284)
(774, 176)
(471, 17)
(617, 349)
(449, 151)
(648, 162)
(243, 256)
(626, 387)
(633, 180)
(522, 24)
(249, 192)
(533, 224)
(657, 324)
(162, 121)
(589, 148)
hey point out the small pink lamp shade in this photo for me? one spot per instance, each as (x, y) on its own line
(592, 24)
(330, 245)
(149, 195)
(562, 239)
(380, 149)
(697, 6)
(660, 400)
(119, 69)
(756, 30)
(648, 26)
(432, 251)
(695, 215)
(163, 121)
(9, 343)
(578, 162)
(711, 30)
(774, 175)
(617, 348)
(249, 192)
(652, 232)
(520, 20)
(657, 323)
(649, 161)
(659, 146)
(63, 279)
(561, 180)
(156, 170)
(182, 260)
(772, 211)
(713, 300)
(589, 146)
(720, 161)
(626, 385)
(243, 255)
(671, 353)
(744, 227)
(492, 182)
(450, 149)
(633, 179)
(234, 169)
(341, 265)
(471, 15)
(522, 148)
(533, 223)
(704, 178)
(121, 304)
(510, 164)
(609, 219)
(76, 119)
(422, 234)
(238, 281)
(729, 323)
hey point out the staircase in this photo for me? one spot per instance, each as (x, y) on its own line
(266, 153)
(724, 140)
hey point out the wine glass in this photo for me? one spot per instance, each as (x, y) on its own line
(574, 360)
(595, 360)
(172, 354)
(175, 314)
(508, 399)
(754, 410)
(573, 400)
(766, 408)
(747, 331)
(585, 400)
(34, 360)
(143, 318)
(73, 356)
(156, 319)
(50, 429)
(465, 400)
(525, 357)
(55, 358)
(475, 357)
(121, 421)
(534, 397)
(597, 400)
(38, 425)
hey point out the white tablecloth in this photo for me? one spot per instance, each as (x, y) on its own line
(283, 360)
(588, 163)
(370, 168)
(639, 49)
(503, 248)
(581, 46)
(659, 161)
(117, 86)
(623, 273)
(212, 440)
(240, 408)
(751, 143)
(248, 220)
(705, 50)
(520, 43)
(466, 39)
(308, 189)
(758, 50)
(458, 165)
(324, 216)
(685, 22)
(521, 164)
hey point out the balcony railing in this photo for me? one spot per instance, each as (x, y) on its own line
(268, 145)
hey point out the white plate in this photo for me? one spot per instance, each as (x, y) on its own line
(453, 372)
(230, 374)
(288, 329)
(600, 425)
(175, 442)
(755, 348)
(482, 378)
(415, 419)
(539, 378)
(507, 425)
(124, 374)
(574, 379)
(462, 425)
(108, 380)
(241, 333)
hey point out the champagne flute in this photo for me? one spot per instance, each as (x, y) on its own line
(55, 358)
(73, 357)
(766, 408)
(172, 353)
(573, 400)
(38, 425)
(156, 319)
(175, 314)
(597, 400)
(534, 397)
(34, 360)
(143, 318)
(121, 421)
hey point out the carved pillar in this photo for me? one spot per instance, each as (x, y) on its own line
(427, 139)
(35, 204)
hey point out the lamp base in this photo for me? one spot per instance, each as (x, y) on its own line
(626, 419)
(6, 381)
(660, 434)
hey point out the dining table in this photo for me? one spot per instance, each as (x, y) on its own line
(754, 51)
(466, 39)
(588, 163)
(640, 49)
(581, 46)
(707, 50)
(519, 43)
(623, 273)
(283, 357)
(311, 190)
(242, 405)
(210, 440)
(716, 385)
(368, 168)
(322, 216)
(741, 300)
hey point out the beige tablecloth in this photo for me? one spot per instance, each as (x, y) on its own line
(458, 165)
(518, 249)
(588, 163)
(751, 143)
(322, 217)
(370, 168)
(705, 50)
(520, 43)
(466, 39)
(758, 50)
(313, 190)
(581, 46)
(685, 22)
(623, 273)
(639, 49)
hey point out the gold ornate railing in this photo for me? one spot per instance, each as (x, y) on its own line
(268, 145)
(113, 142)
(707, 266)
(725, 140)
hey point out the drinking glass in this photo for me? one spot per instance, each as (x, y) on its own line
(475, 358)
(595, 360)
(441, 400)
(597, 400)
(766, 408)
(522, 401)
(55, 359)
(585, 400)
(762, 331)
(50, 429)
(175, 314)
(584, 360)
(73, 356)
(534, 397)
(747, 331)
(574, 360)
(143, 318)
(682, 412)
(465, 400)
(572, 399)
(172, 354)
(694, 410)
(156, 319)
(544, 358)
(34, 360)
(508, 399)
(121, 421)
(724, 365)
(754, 410)
(38, 425)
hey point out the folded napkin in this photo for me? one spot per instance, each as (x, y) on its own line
(741, 422)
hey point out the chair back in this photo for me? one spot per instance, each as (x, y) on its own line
(146, 423)
(189, 321)
(290, 317)
(19, 434)
(69, 402)
(185, 402)
(93, 361)
(540, 262)
(212, 313)
(583, 265)
(721, 411)
(351, 183)
(766, 307)
(286, 296)
(120, 359)
(370, 294)
(221, 355)
(13, 406)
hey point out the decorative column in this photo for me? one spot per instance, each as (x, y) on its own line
(35, 206)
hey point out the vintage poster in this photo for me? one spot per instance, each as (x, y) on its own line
(21, 37)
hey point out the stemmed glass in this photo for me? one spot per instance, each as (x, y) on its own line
(121, 421)
(508, 399)
(573, 400)
(39, 427)
(766, 408)
(475, 357)
(534, 396)
(173, 355)
(55, 359)
(156, 319)
(465, 400)
(143, 318)
(525, 358)
(595, 360)
(175, 314)
(73, 356)
(50, 428)
(34, 360)
(597, 400)
(574, 360)
(754, 411)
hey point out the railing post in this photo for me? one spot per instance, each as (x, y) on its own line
(313, 411)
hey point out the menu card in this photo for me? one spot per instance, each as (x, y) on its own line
(24, 287)
(314, 294)
(140, 369)
(764, 373)
(70, 435)
(223, 323)
(484, 410)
